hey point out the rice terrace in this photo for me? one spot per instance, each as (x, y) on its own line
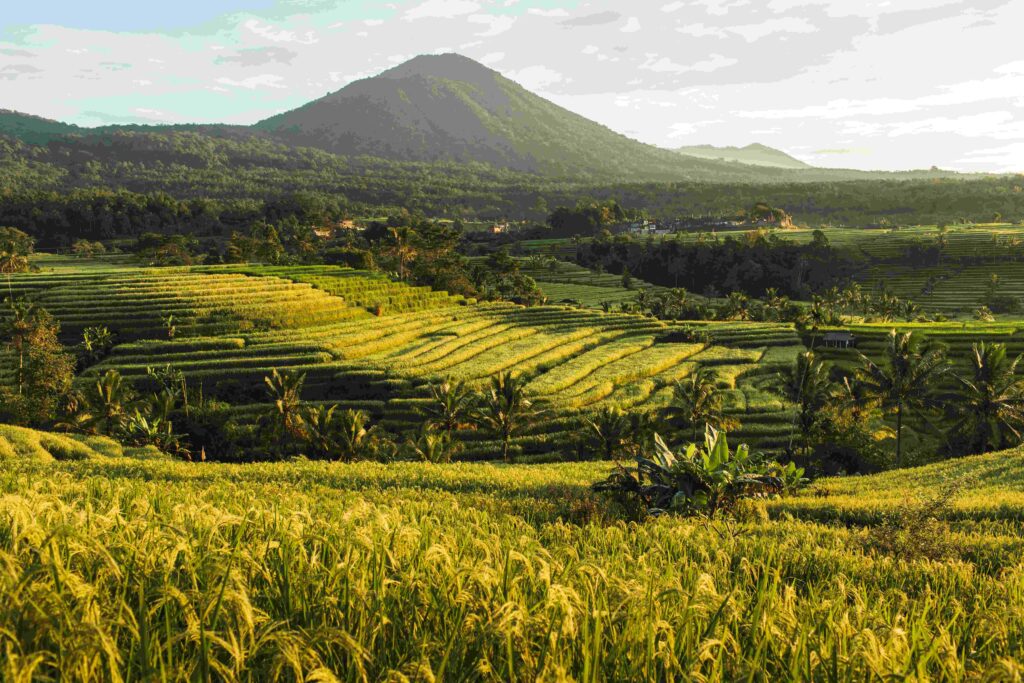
(432, 378)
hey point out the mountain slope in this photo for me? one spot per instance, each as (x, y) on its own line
(450, 108)
(34, 130)
(754, 154)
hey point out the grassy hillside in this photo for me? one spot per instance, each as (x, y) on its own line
(120, 568)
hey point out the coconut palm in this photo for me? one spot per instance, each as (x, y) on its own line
(696, 402)
(503, 409)
(806, 384)
(401, 247)
(607, 432)
(991, 402)
(17, 327)
(737, 306)
(905, 381)
(432, 446)
(450, 407)
(108, 401)
(285, 391)
(355, 436)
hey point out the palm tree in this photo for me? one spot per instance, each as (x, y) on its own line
(285, 391)
(354, 435)
(108, 401)
(450, 407)
(401, 247)
(697, 402)
(18, 328)
(504, 408)
(737, 306)
(320, 430)
(432, 446)
(775, 303)
(608, 432)
(806, 384)
(906, 380)
(12, 262)
(991, 404)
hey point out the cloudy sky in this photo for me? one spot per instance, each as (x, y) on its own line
(853, 83)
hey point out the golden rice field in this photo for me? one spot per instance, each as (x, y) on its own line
(115, 567)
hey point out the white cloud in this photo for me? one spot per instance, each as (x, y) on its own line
(276, 35)
(496, 25)
(537, 77)
(441, 9)
(755, 32)
(557, 12)
(254, 82)
(660, 64)
(632, 26)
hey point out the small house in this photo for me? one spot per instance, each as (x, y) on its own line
(840, 339)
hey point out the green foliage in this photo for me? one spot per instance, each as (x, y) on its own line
(504, 408)
(44, 371)
(907, 379)
(697, 401)
(990, 405)
(706, 480)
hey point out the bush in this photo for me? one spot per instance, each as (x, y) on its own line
(701, 480)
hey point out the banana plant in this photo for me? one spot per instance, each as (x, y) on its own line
(706, 479)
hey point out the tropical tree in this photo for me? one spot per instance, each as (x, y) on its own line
(775, 304)
(320, 431)
(614, 433)
(696, 402)
(807, 384)
(905, 381)
(430, 445)
(503, 409)
(737, 306)
(991, 402)
(15, 247)
(107, 404)
(45, 368)
(607, 432)
(96, 343)
(21, 319)
(450, 408)
(355, 437)
(285, 389)
(401, 246)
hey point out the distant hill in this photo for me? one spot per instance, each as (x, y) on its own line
(755, 155)
(450, 108)
(34, 130)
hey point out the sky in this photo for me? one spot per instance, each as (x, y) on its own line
(870, 84)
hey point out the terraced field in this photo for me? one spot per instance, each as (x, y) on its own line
(564, 282)
(950, 289)
(234, 325)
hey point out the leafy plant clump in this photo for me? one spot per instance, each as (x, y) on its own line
(707, 479)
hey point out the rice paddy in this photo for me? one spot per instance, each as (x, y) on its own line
(119, 568)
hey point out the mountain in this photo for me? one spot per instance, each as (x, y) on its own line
(755, 155)
(450, 108)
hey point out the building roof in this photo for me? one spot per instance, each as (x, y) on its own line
(839, 335)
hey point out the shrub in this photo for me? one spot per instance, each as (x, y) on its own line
(700, 480)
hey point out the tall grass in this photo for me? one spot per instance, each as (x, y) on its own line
(122, 570)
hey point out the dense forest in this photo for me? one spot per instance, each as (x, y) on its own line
(127, 182)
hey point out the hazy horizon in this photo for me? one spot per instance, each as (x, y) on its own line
(834, 83)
